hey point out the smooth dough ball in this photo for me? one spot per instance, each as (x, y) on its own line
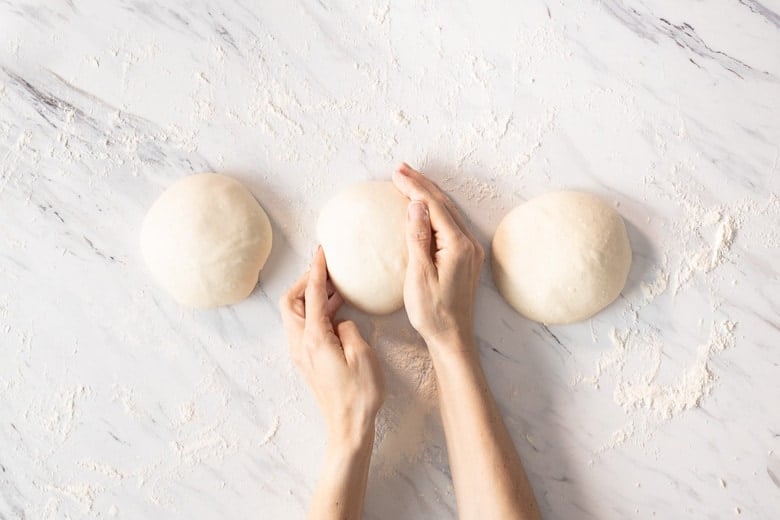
(205, 240)
(561, 257)
(361, 230)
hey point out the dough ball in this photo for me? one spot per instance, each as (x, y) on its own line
(561, 257)
(205, 240)
(361, 230)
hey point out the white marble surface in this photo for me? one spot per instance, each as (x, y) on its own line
(118, 403)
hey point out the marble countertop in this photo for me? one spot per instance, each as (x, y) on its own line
(119, 403)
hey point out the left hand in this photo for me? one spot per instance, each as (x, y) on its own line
(341, 369)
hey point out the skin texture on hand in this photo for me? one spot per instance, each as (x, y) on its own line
(439, 290)
(343, 373)
(444, 261)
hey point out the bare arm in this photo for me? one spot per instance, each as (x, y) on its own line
(343, 374)
(486, 470)
(439, 296)
(342, 485)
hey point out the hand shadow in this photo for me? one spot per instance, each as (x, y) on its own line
(522, 362)
(278, 210)
(409, 476)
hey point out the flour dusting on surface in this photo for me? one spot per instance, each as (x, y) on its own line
(411, 398)
(120, 404)
(697, 246)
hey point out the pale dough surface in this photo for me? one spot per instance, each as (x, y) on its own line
(361, 230)
(561, 257)
(205, 240)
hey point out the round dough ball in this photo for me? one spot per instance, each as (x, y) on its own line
(205, 240)
(561, 257)
(361, 230)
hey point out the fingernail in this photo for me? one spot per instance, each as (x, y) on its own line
(418, 210)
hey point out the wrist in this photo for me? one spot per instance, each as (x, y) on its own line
(348, 441)
(455, 342)
(453, 352)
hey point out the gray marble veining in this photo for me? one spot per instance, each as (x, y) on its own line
(119, 403)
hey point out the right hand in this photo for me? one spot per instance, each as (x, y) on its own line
(444, 263)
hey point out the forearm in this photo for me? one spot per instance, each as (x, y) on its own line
(486, 470)
(342, 485)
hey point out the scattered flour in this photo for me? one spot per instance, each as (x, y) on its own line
(665, 401)
(103, 469)
(473, 188)
(207, 444)
(126, 397)
(186, 413)
(699, 244)
(658, 286)
(65, 413)
(81, 493)
(724, 238)
(281, 111)
(411, 397)
(271, 432)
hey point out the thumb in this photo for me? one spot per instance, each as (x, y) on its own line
(418, 236)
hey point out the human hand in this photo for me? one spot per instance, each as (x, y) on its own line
(341, 369)
(444, 262)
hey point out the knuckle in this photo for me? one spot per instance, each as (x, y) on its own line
(357, 345)
(419, 193)
(418, 274)
(324, 325)
(480, 252)
(438, 195)
(420, 234)
(349, 324)
(463, 246)
(449, 203)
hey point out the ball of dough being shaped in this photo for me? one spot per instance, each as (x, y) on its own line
(561, 257)
(362, 231)
(205, 240)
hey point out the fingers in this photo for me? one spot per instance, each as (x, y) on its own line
(307, 310)
(316, 294)
(291, 302)
(446, 220)
(292, 309)
(441, 220)
(335, 301)
(436, 193)
(362, 359)
(417, 176)
(418, 239)
(348, 332)
(352, 342)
